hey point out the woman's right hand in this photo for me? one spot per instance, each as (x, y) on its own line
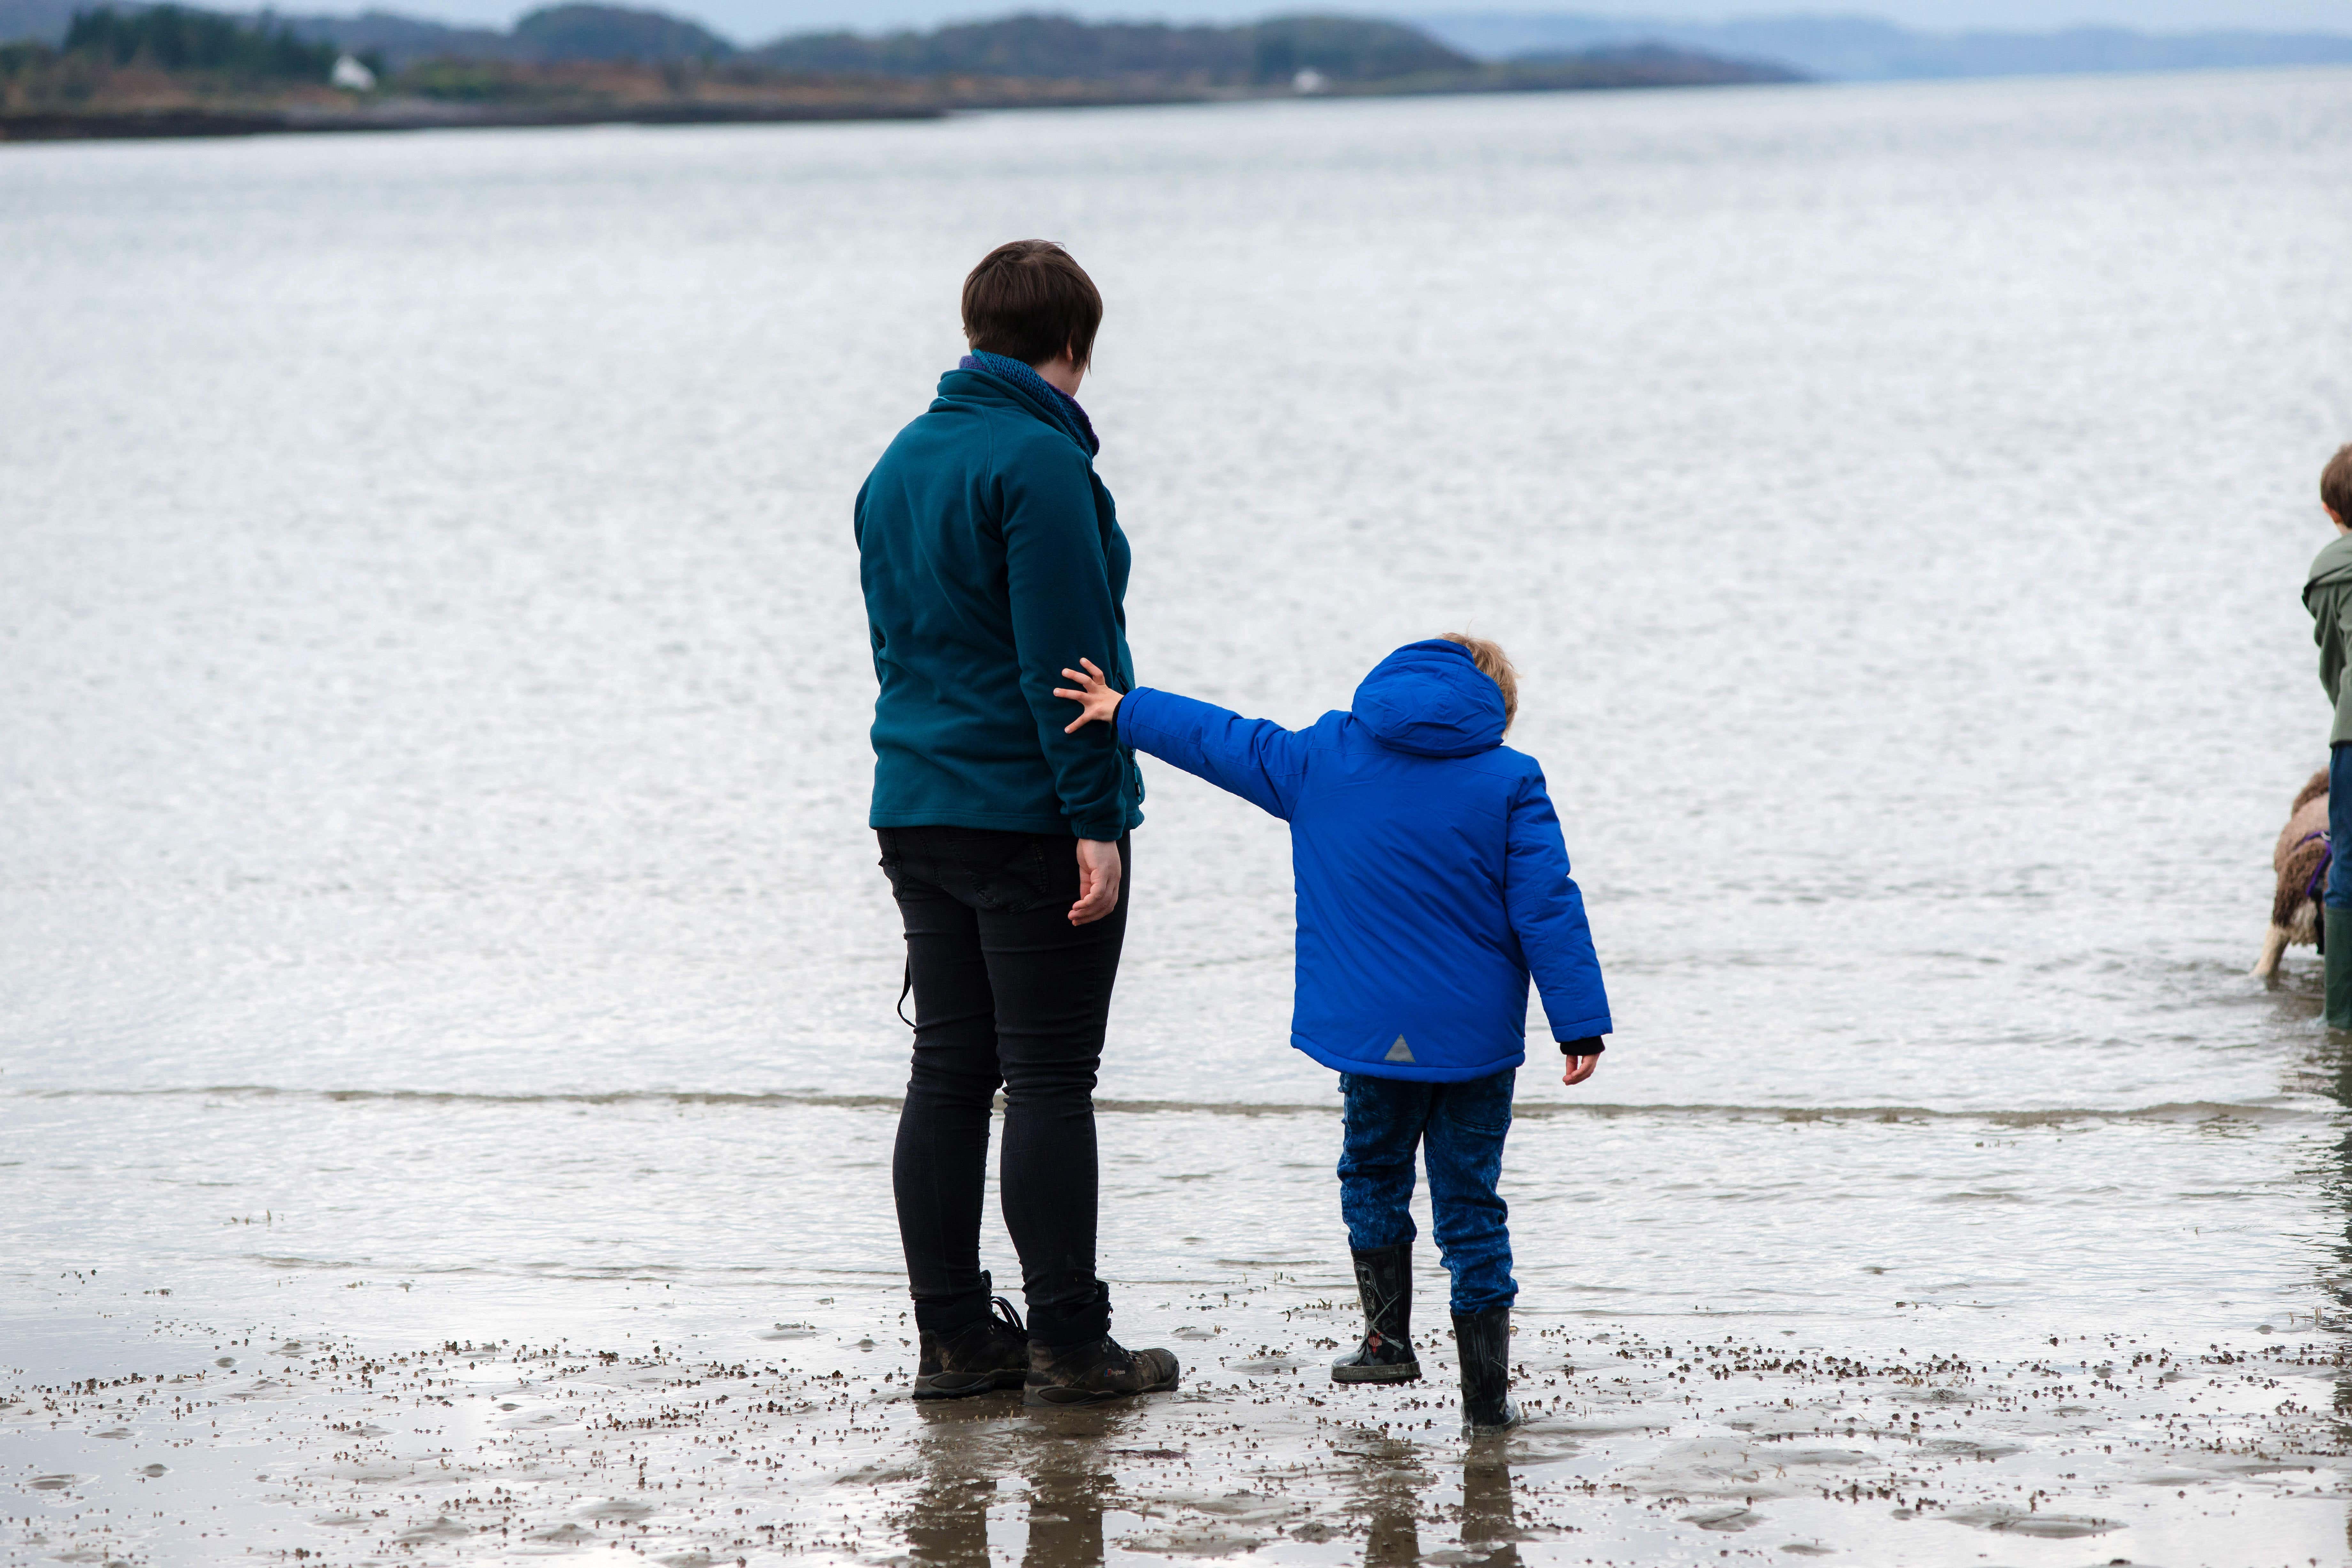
(1096, 700)
(1099, 871)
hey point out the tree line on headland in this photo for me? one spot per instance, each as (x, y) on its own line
(172, 70)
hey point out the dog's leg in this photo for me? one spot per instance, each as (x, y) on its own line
(2273, 949)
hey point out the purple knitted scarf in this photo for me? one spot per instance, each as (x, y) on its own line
(1022, 376)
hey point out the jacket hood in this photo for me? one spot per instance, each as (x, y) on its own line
(1429, 700)
(2332, 566)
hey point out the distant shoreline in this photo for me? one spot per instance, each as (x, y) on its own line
(178, 123)
(421, 114)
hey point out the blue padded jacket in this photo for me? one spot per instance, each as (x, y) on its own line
(1430, 872)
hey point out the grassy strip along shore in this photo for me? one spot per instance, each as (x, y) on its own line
(171, 72)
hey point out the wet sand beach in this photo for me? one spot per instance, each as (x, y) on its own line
(1636, 1452)
(447, 1070)
(1860, 1383)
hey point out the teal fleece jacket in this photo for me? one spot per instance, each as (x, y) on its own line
(991, 558)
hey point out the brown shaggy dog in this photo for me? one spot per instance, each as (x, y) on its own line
(2295, 913)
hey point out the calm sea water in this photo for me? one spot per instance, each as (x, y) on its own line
(433, 691)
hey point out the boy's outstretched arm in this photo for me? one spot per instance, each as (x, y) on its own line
(1257, 759)
(1547, 915)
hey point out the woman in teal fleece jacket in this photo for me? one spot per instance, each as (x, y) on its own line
(991, 557)
(986, 542)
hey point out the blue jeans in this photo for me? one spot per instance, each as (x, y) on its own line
(1460, 1129)
(2339, 829)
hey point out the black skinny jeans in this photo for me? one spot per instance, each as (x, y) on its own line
(1008, 992)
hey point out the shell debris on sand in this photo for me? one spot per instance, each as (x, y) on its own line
(1639, 1449)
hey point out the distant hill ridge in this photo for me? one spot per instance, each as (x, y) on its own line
(1343, 49)
(1340, 50)
(1026, 45)
(1865, 49)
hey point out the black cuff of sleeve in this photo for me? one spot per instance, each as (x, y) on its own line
(1590, 1046)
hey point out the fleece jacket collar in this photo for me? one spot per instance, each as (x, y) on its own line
(1040, 396)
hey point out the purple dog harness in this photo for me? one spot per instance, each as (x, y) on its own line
(2326, 857)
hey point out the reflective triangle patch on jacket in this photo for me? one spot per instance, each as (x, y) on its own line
(1399, 1052)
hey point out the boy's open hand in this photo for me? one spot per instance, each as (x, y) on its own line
(1095, 697)
(1578, 1070)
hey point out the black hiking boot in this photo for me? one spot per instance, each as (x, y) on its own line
(1095, 1370)
(1483, 1339)
(1073, 1360)
(1384, 1283)
(991, 1353)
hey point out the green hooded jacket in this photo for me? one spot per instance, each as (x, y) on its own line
(2328, 597)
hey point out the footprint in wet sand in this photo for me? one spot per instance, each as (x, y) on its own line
(629, 1511)
(1727, 1516)
(2021, 1521)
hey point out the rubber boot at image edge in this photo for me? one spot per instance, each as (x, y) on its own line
(2335, 961)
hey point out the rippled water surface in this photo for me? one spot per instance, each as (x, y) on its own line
(436, 909)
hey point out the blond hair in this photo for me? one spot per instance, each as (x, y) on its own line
(1495, 664)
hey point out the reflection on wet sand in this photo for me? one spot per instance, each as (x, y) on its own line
(973, 1456)
(1388, 1492)
(971, 1453)
(945, 1522)
(1489, 1517)
(2327, 1070)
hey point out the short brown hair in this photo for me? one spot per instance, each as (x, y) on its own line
(1030, 300)
(1496, 665)
(2336, 484)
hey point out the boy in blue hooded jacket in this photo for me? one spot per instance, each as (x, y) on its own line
(1433, 882)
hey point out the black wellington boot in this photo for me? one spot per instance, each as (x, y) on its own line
(1483, 1339)
(2335, 960)
(1384, 1283)
(989, 1354)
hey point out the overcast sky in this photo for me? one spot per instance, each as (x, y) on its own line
(759, 20)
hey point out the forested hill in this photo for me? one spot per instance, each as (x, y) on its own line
(1338, 48)
(133, 70)
(1342, 50)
